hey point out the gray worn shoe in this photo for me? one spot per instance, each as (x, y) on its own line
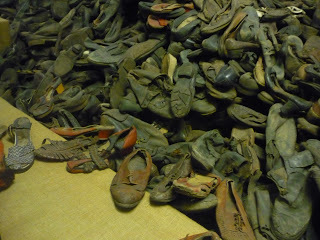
(188, 205)
(246, 116)
(183, 92)
(148, 136)
(281, 138)
(264, 210)
(313, 145)
(206, 150)
(229, 162)
(171, 154)
(66, 60)
(152, 98)
(128, 104)
(289, 222)
(164, 192)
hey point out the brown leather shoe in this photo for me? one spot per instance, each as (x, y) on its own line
(231, 216)
(128, 185)
(197, 186)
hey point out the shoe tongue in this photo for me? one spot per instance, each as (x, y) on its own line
(137, 163)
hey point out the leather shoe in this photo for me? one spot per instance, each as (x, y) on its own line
(128, 185)
(231, 216)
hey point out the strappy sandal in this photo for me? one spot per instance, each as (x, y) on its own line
(88, 164)
(20, 156)
(59, 151)
(120, 142)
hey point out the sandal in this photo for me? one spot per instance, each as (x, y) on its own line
(20, 156)
(59, 151)
(88, 164)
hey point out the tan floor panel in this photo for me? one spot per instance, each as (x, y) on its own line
(47, 202)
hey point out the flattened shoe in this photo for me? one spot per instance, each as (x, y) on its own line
(313, 145)
(157, 22)
(58, 151)
(219, 93)
(231, 217)
(124, 140)
(183, 92)
(220, 22)
(148, 136)
(229, 162)
(20, 156)
(76, 103)
(44, 105)
(198, 186)
(141, 50)
(163, 192)
(184, 25)
(90, 163)
(195, 205)
(247, 85)
(76, 131)
(247, 116)
(289, 222)
(66, 60)
(108, 55)
(206, 149)
(203, 106)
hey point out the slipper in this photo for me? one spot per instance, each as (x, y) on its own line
(20, 156)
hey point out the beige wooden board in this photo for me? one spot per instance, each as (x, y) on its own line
(47, 202)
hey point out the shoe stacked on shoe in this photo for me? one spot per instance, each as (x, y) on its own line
(222, 97)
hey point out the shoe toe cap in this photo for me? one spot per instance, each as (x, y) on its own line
(126, 197)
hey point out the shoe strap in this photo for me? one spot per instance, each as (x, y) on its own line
(94, 154)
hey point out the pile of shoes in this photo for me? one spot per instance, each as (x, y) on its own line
(210, 105)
